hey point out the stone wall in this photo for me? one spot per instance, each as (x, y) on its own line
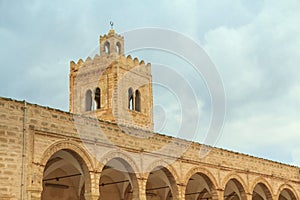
(48, 130)
(11, 134)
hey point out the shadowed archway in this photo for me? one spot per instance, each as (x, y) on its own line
(261, 192)
(199, 187)
(234, 190)
(161, 185)
(287, 194)
(118, 181)
(65, 176)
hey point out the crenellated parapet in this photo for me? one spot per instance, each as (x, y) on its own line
(126, 62)
(134, 64)
(111, 33)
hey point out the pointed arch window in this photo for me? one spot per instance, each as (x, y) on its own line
(88, 100)
(107, 47)
(97, 98)
(138, 101)
(130, 99)
(118, 48)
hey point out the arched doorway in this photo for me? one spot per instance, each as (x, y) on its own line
(161, 185)
(199, 187)
(234, 190)
(118, 181)
(261, 192)
(286, 194)
(65, 176)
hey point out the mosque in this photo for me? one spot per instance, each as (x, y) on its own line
(105, 146)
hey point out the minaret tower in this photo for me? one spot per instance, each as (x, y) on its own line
(112, 87)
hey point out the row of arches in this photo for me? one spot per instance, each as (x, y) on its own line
(93, 99)
(107, 48)
(134, 100)
(66, 176)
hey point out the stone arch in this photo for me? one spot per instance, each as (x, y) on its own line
(66, 144)
(238, 178)
(207, 188)
(195, 170)
(88, 100)
(237, 188)
(118, 178)
(106, 47)
(292, 192)
(161, 163)
(137, 101)
(118, 154)
(130, 99)
(161, 177)
(262, 181)
(65, 159)
(118, 48)
(97, 98)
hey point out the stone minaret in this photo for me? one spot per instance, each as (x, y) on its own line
(112, 87)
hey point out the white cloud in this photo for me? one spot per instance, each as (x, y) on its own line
(296, 157)
(255, 45)
(259, 64)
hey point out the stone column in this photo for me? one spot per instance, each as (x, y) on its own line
(34, 182)
(34, 193)
(181, 191)
(141, 188)
(218, 194)
(90, 196)
(93, 193)
(246, 196)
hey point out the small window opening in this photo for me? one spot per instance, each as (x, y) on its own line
(137, 101)
(97, 103)
(118, 48)
(88, 100)
(130, 99)
(106, 47)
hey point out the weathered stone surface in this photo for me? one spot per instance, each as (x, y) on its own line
(36, 133)
(220, 164)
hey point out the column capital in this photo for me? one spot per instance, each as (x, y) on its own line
(247, 196)
(181, 190)
(218, 194)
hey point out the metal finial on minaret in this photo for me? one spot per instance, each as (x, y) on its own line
(111, 24)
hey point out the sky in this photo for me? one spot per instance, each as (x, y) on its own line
(254, 45)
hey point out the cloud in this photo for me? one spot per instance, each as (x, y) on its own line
(259, 63)
(254, 44)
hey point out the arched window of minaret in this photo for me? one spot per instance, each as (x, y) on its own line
(118, 48)
(88, 100)
(107, 47)
(130, 99)
(97, 104)
(138, 101)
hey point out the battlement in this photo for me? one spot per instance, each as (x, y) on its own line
(126, 62)
(111, 33)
